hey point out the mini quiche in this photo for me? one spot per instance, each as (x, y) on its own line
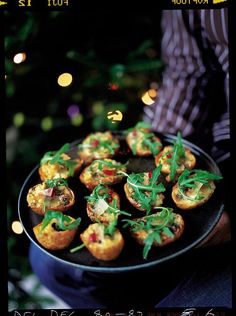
(156, 230)
(58, 164)
(193, 188)
(175, 159)
(144, 190)
(103, 242)
(142, 141)
(98, 145)
(103, 204)
(102, 171)
(50, 195)
(56, 231)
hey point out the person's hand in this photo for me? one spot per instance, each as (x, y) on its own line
(221, 233)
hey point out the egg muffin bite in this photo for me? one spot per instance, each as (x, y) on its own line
(156, 230)
(144, 190)
(102, 171)
(58, 164)
(142, 141)
(174, 159)
(103, 204)
(98, 145)
(194, 188)
(50, 195)
(103, 242)
(56, 231)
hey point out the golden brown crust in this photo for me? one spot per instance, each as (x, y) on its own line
(89, 155)
(51, 239)
(92, 177)
(101, 246)
(137, 139)
(141, 235)
(188, 162)
(37, 200)
(105, 217)
(48, 171)
(185, 204)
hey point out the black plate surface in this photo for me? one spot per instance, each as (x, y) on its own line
(199, 222)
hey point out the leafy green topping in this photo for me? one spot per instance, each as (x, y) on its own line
(56, 183)
(101, 192)
(177, 153)
(139, 125)
(190, 179)
(110, 228)
(55, 157)
(145, 195)
(154, 226)
(151, 143)
(61, 219)
(109, 144)
(109, 164)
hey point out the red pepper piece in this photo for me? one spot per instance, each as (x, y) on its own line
(95, 143)
(109, 172)
(169, 155)
(135, 133)
(93, 237)
(149, 174)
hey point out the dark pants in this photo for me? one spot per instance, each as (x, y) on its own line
(200, 278)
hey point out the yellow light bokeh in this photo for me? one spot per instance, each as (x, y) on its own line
(65, 79)
(17, 227)
(19, 58)
(147, 99)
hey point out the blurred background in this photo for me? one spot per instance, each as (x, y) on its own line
(64, 71)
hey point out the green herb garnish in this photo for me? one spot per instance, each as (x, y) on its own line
(177, 153)
(110, 228)
(154, 226)
(190, 179)
(109, 164)
(138, 126)
(54, 157)
(61, 219)
(52, 183)
(145, 195)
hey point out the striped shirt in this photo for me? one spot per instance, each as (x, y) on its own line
(194, 94)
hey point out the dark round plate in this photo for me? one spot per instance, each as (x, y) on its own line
(199, 222)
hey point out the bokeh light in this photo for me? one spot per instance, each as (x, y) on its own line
(17, 227)
(98, 107)
(19, 119)
(46, 123)
(65, 79)
(148, 97)
(73, 110)
(115, 116)
(77, 119)
(19, 58)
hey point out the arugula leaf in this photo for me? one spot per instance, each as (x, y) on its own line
(110, 228)
(109, 164)
(145, 195)
(61, 219)
(190, 178)
(178, 152)
(52, 183)
(138, 126)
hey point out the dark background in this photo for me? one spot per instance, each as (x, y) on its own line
(100, 49)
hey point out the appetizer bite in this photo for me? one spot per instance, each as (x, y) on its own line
(157, 229)
(56, 231)
(103, 205)
(50, 195)
(142, 141)
(143, 190)
(175, 159)
(194, 188)
(103, 242)
(58, 164)
(98, 145)
(102, 171)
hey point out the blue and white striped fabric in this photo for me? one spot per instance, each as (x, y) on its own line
(195, 53)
